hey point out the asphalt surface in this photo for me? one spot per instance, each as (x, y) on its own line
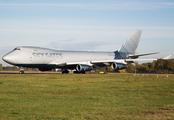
(28, 72)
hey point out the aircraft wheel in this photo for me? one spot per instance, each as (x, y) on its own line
(21, 72)
(65, 72)
(76, 72)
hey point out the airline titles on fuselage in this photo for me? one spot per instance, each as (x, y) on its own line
(47, 55)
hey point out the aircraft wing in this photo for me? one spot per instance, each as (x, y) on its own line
(90, 63)
(97, 64)
(115, 64)
(100, 63)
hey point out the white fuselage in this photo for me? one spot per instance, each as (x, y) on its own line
(35, 55)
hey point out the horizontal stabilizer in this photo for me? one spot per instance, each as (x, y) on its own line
(133, 60)
(136, 56)
(167, 57)
(136, 60)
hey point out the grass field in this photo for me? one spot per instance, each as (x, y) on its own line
(86, 96)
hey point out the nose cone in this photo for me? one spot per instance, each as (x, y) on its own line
(5, 58)
(9, 58)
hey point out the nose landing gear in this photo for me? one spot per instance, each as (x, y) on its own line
(21, 70)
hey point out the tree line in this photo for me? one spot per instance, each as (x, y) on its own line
(157, 66)
(15, 68)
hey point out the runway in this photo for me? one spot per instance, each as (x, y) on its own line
(51, 72)
(29, 72)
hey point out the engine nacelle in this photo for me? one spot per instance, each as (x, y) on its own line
(118, 66)
(82, 68)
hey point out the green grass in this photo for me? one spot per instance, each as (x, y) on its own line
(86, 96)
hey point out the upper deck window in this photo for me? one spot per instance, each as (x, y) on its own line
(17, 49)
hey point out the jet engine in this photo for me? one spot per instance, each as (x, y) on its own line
(118, 66)
(83, 68)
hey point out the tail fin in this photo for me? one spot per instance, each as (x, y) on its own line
(131, 44)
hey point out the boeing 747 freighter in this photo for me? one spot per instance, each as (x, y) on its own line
(81, 61)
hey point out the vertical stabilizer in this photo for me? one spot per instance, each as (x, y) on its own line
(131, 44)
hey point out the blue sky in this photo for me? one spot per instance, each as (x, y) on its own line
(97, 25)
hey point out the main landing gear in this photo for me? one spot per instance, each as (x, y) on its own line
(78, 72)
(65, 71)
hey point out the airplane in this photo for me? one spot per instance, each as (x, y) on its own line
(81, 61)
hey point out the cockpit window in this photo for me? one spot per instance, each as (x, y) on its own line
(17, 49)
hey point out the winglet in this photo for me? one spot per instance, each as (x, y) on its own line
(167, 57)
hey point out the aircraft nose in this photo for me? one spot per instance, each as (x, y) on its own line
(6, 58)
(9, 58)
